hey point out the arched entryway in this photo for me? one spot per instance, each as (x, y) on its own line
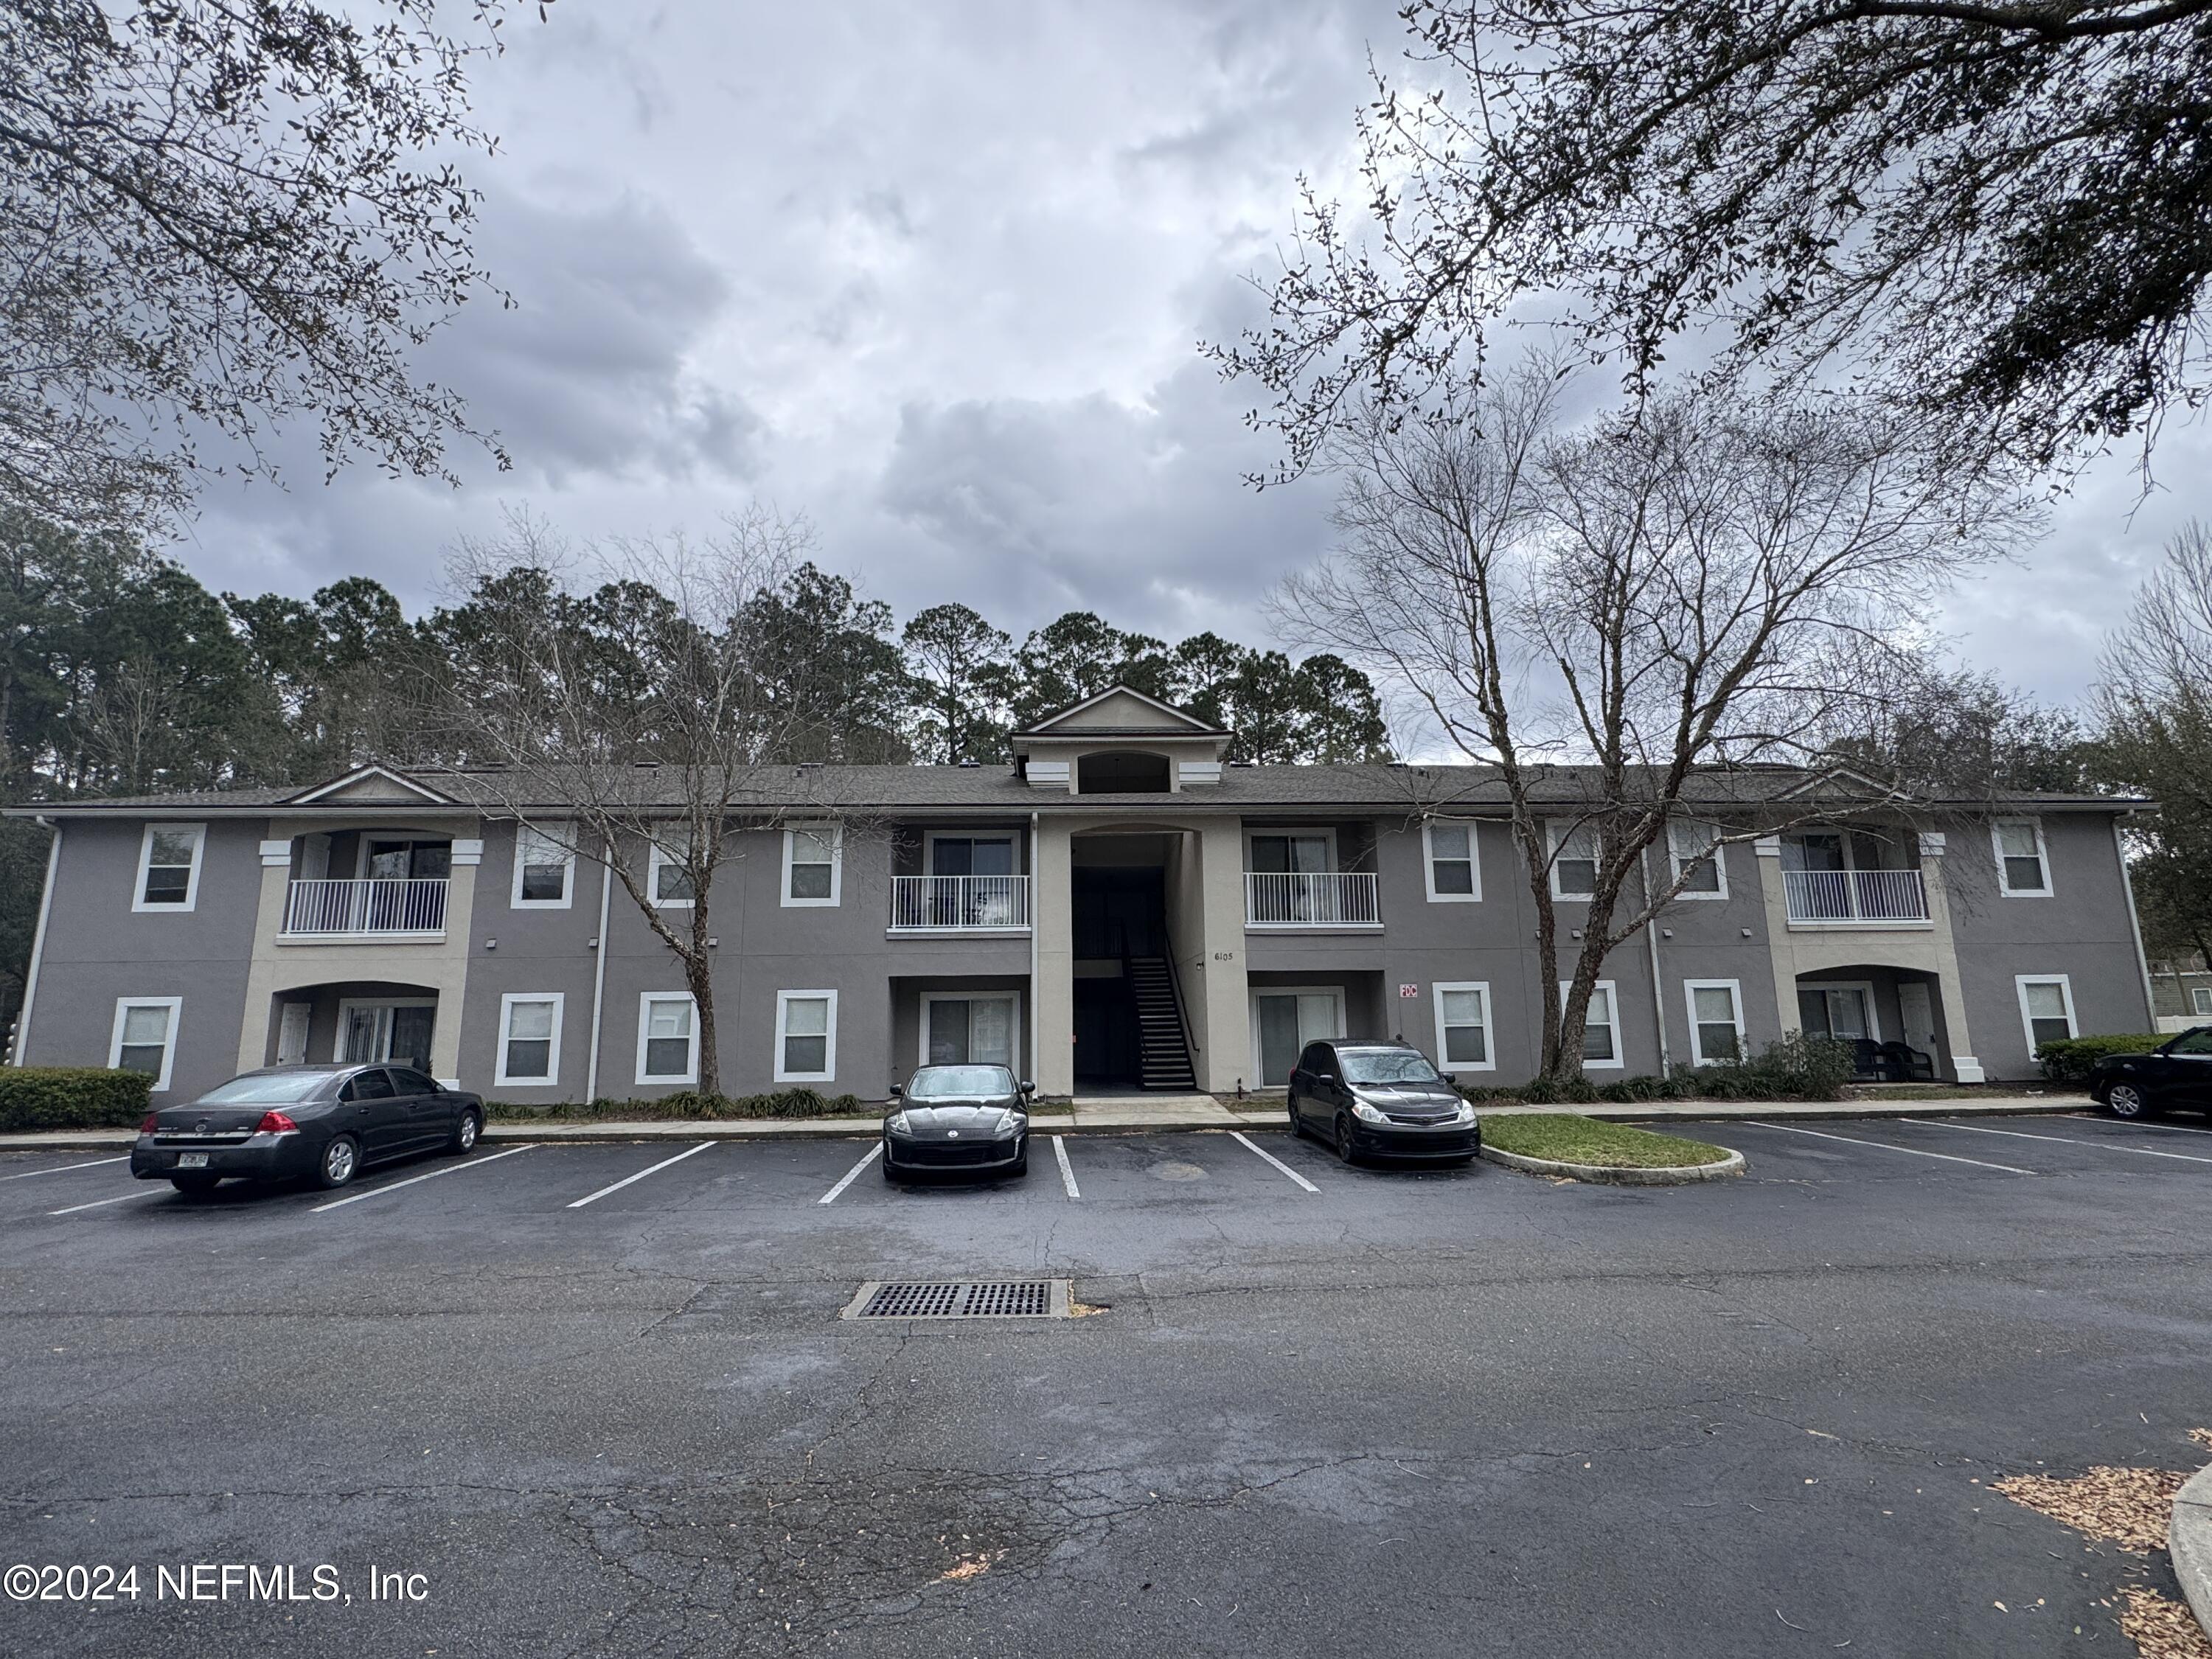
(1892, 1018)
(354, 1020)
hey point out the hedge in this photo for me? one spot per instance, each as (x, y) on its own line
(1797, 1067)
(792, 1102)
(2068, 1060)
(71, 1097)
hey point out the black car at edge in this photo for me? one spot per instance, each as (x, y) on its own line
(973, 1118)
(321, 1123)
(2176, 1073)
(1381, 1100)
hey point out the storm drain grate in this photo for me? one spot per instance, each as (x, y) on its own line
(962, 1298)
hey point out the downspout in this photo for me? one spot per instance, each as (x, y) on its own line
(2134, 927)
(38, 941)
(1652, 941)
(599, 977)
(1036, 1025)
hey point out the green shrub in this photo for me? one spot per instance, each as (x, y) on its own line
(2068, 1060)
(71, 1097)
(688, 1105)
(1795, 1069)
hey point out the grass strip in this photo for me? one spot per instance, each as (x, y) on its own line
(1570, 1137)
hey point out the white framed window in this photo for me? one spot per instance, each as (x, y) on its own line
(544, 871)
(1601, 1028)
(813, 864)
(2023, 861)
(1716, 1020)
(667, 1037)
(2200, 999)
(2046, 1008)
(1463, 1036)
(169, 867)
(668, 877)
(1574, 860)
(806, 1037)
(529, 1039)
(145, 1037)
(971, 1028)
(1696, 858)
(1447, 859)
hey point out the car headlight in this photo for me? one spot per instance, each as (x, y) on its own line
(1367, 1114)
(898, 1125)
(1466, 1113)
(1008, 1122)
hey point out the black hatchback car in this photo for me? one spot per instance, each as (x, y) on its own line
(323, 1123)
(1379, 1099)
(2176, 1073)
(958, 1117)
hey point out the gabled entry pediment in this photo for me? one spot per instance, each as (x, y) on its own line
(1121, 711)
(371, 785)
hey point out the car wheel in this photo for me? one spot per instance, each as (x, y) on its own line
(1345, 1149)
(1298, 1123)
(194, 1184)
(341, 1162)
(465, 1131)
(2125, 1100)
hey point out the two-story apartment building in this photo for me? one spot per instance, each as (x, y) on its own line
(1118, 908)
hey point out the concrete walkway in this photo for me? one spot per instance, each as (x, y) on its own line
(1125, 1114)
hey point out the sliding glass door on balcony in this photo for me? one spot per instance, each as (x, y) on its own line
(1839, 877)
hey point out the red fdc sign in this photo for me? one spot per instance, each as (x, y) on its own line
(1409, 990)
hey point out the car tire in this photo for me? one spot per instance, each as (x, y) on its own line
(2125, 1100)
(466, 1129)
(194, 1184)
(1345, 1149)
(1298, 1123)
(339, 1164)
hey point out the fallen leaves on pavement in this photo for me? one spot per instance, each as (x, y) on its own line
(2129, 1507)
(2161, 1629)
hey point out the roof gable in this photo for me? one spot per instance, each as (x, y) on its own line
(1122, 709)
(372, 783)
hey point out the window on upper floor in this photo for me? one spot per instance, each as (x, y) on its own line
(169, 867)
(1695, 859)
(543, 868)
(813, 856)
(2023, 861)
(1448, 851)
(1119, 772)
(145, 1037)
(668, 875)
(1574, 860)
(1292, 852)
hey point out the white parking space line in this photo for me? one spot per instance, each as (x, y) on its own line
(1067, 1170)
(640, 1174)
(102, 1203)
(412, 1181)
(1237, 1135)
(2064, 1141)
(851, 1175)
(1883, 1145)
(2078, 1117)
(59, 1169)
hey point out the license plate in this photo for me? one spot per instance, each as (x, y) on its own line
(192, 1160)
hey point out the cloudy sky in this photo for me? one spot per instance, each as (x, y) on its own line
(934, 276)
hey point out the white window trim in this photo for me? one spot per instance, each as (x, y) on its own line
(1619, 1061)
(1735, 989)
(506, 1006)
(2019, 984)
(1675, 860)
(1556, 831)
(523, 833)
(2200, 998)
(1864, 987)
(931, 837)
(1473, 861)
(929, 997)
(1334, 993)
(691, 1072)
(1489, 1063)
(146, 862)
(2042, 857)
(347, 1005)
(654, 862)
(837, 833)
(123, 1007)
(783, 1002)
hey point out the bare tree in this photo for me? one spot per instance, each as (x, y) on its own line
(628, 722)
(1602, 615)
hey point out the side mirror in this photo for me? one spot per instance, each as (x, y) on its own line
(897, 1092)
(1452, 1078)
(1028, 1087)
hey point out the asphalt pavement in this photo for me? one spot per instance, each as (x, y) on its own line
(597, 1399)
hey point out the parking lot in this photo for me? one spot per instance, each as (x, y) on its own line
(599, 1395)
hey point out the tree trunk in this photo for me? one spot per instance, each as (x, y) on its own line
(699, 975)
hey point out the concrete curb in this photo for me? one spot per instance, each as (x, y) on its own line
(1617, 1175)
(2189, 1539)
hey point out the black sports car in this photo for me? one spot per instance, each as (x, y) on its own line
(324, 1123)
(958, 1117)
(2178, 1072)
(1383, 1099)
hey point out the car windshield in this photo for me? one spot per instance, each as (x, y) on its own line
(960, 1082)
(275, 1087)
(1387, 1066)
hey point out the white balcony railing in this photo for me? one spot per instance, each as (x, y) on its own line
(1842, 897)
(379, 905)
(981, 903)
(1335, 898)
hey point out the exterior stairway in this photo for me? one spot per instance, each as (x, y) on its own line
(1164, 1054)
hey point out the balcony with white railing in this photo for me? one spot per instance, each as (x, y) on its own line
(1856, 898)
(376, 908)
(960, 904)
(1331, 898)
